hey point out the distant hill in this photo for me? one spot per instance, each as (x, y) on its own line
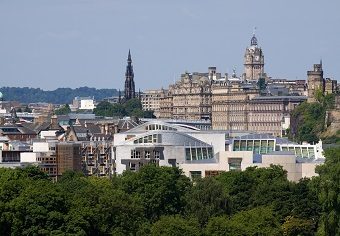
(58, 96)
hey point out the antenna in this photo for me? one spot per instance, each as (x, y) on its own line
(254, 30)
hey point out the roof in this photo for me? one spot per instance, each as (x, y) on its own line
(93, 128)
(126, 124)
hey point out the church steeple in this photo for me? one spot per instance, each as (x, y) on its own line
(129, 82)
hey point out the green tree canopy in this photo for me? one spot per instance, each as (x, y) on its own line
(257, 221)
(63, 110)
(328, 185)
(161, 189)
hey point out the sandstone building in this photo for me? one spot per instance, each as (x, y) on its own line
(253, 61)
(316, 82)
(189, 98)
(150, 100)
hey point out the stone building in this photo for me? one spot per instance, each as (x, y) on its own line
(239, 107)
(253, 61)
(150, 100)
(189, 98)
(316, 82)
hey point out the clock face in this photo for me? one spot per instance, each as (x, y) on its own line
(257, 58)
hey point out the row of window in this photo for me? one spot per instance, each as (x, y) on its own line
(198, 153)
(153, 138)
(146, 154)
(303, 152)
(158, 127)
(256, 146)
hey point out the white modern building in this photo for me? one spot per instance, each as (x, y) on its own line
(207, 153)
(83, 103)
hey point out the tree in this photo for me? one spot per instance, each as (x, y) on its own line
(307, 122)
(63, 110)
(328, 184)
(206, 199)
(257, 221)
(161, 189)
(149, 114)
(294, 226)
(175, 226)
(103, 109)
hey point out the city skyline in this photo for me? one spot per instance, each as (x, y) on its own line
(79, 43)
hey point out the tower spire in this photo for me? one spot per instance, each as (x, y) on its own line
(129, 57)
(253, 41)
(129, 82)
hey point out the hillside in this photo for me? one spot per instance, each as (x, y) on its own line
(58, 96)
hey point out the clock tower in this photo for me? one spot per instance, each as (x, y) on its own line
(253, 61)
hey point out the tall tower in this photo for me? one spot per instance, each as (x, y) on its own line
(253, 61)
(315, 81)
(129, 82)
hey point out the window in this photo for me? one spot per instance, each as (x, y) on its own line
(156, 154)
(147, 154)
(195, 175)
(132, 166)
(154, 138)
(234, 164)
(187, 154)
(135, 154)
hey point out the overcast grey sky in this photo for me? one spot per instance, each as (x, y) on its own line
(73, 43)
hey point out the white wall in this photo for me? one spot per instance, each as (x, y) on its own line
(87, 104)
(28, 157)
(217, 140)
(47, 133)
(40, 147)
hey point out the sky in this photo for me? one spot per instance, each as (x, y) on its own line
(73, 43)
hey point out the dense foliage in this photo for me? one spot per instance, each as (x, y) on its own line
(307, 122)
(308, 119)
(162, 201)
(132, 107)
(58, 96)
(64, 110)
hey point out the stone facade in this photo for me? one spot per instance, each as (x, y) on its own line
(239, 107)
(150, 100)
(253, 61)
(189, 98)
(316, 82)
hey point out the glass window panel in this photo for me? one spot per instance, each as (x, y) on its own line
(237, 145)
(257, 146)
(298, 152)
(250, 145)
(243, 145)
(187, 154)
(311, 152)
(234, 164)
(304, 152)
(205, 153)
(263, 147)
(195, 175)
(199, 154)
(210, 153)
(193, 154)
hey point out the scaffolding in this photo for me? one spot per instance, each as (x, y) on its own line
(98, 158)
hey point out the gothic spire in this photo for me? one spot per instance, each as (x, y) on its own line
(129, 82)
